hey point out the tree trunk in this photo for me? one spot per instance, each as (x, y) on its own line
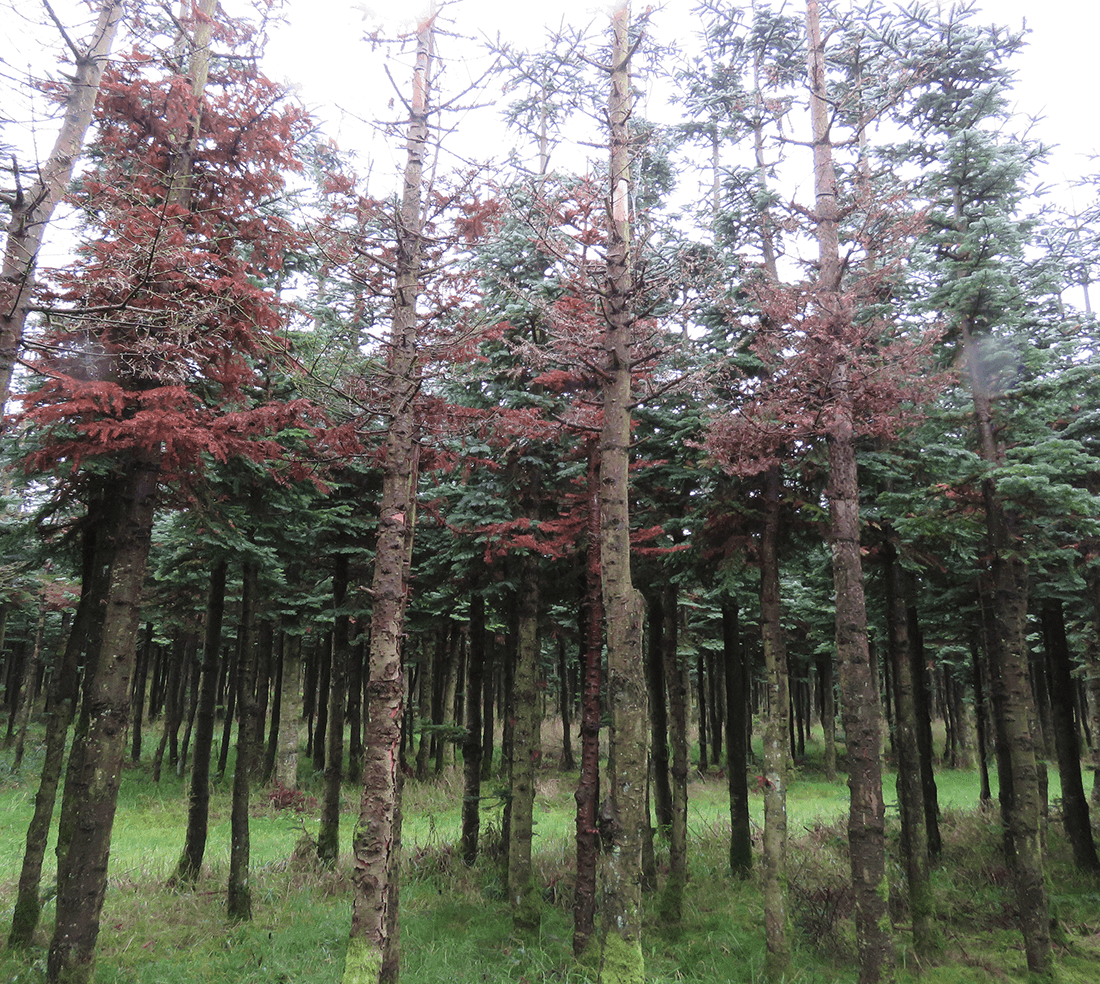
(588, 785)
(471, 744)
(24, 695)
(658, 713)
(1020, 795)
(736, 744)
(776, 754)
(1075, 806)
(181, 651)
(488, 690)
(704, 718)
(860, 706)
(324, 695)
(981, 726)
(526, 750)
(328, 838)
(714, 696)
(239, 888)
(63, 694)
(198, 810)
(82, 878)
(672, 899)
(141, 671)
(373, 949)
(290, 714)
(357, 654)
(231, 679)
(271, 749)
(34, 205)
(565, 708)
(624, 815)
(914, 830)
(828, 713)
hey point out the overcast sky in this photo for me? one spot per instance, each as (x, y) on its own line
(322, 50)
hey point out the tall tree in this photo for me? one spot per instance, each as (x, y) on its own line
(373, 949)
(624, 818)
(148, 368)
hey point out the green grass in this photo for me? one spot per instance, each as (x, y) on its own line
(456, 927)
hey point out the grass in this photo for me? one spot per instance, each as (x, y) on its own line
(456, 926)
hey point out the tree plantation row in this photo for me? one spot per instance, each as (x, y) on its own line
(518, 440)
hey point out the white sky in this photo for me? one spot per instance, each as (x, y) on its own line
(322, 50)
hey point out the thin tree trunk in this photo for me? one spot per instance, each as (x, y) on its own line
(672, 899)
(145, 652)
(471, 745)
(736, 744)
(239, 888)
(701, 692)
(328, 838)
(324, 693)
(488, 690)
(232, 685)
(59, 714)
(193, 676)
(373, 948)
(776, 755)
(425, 707)
(271, 752)
(526, 750)
(82, 877)
(861, 708)
(565, 705)
(174, 711)
(290, 714)
(1021, 795)
(985, 794)
(624, 815)
(25, 692)
(658, 713)
(357, 654)
(714, 697)
(588, 785)
(914, 830)
(34, 205)
(1075, 807)
(198, 809)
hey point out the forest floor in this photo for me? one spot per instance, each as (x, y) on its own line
(456, 927)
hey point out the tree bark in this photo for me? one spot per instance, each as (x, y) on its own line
(672, 899)
(588, 785)
(565, 708)
(526, 751)
(658, 713)
(198, 810)
(624, 815)
(737, 712)
(1075, 806)
(290, 714)
(373, 948)
(25, 696)
(239, 888)
(34, 205)
(471, 745)
(861, 709)
(62, 700)
(82, 878)
(776, 748)
(328, 837)
(1020, 794)
(914, 830)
